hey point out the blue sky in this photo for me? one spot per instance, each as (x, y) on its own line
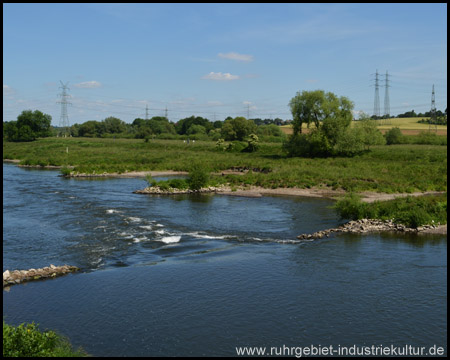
(219, 60)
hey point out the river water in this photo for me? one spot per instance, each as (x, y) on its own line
(201, 275)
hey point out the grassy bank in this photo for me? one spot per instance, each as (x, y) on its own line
(396, 168)
(409, 211)
(26, 340)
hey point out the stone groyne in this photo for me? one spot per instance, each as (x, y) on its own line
(156, 190)
(366, 226)
(48, 272)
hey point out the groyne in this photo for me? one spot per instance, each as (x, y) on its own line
(19, 276)
(372, 225)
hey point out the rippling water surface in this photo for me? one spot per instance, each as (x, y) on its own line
(201, 275)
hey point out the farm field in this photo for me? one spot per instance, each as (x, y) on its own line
(408, 126)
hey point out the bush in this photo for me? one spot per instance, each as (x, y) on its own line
(314, 144)
(150, 180)
(252, 143)
(350, 142)
(393, 136)
(351, 207)
(26, 340)
(198, 177)
(178, 184)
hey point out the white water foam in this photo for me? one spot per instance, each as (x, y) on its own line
(112, 211)
(146, 227)
(160, 232)
(134, 219)
(204, 236)
(170, 239)
(139, 239)
(126, 235)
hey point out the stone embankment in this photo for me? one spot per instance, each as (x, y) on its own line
(48, 272)
(366, 226)
(156, 190)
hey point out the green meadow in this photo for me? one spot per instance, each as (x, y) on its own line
(401, 168)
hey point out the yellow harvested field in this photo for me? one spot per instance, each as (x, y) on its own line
(408, 126)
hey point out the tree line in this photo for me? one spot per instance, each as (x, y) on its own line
(31, 125)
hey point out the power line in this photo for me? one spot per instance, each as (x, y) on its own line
(376, 105)
(64, 119)
(433, 118)
(387, 110)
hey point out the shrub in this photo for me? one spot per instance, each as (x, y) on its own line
(252, 143)
(198, 177)
(65, 171)
(150, 180)
(26, 340)
(351, 207)
(178, 183)
(393, 136)
(350, 142)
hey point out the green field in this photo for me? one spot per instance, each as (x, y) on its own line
(391, 169)
(407, 125)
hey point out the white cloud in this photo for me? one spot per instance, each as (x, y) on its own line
(7, 90)
(88, 84)
(220, 77)
(236, 56)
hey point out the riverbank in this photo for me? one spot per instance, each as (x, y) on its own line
(374, 225)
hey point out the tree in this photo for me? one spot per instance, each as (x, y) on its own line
(393, 136)
(196, 129)
(237, 128)
(369, 132)
(38, 122)
(330, 115)
(114, 125)
(183, 125)
(29, 126)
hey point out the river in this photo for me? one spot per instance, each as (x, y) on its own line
(201, 275)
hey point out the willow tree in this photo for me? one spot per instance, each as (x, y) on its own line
(329, 115)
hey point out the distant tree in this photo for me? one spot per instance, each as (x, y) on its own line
(91, 128)
(183, 125)
(269, 130)
(29, 126)
(114, 125)
(217, 124)
(38, 122)
(369, 132)
(237, 128)
(393, 136)
(10, 131)
(330, 115)
(196, 129)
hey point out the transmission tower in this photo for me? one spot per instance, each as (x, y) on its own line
(376, 106)
(146, 112)
(64, 119)
(433, 117)
(165, 113)
(387, 110)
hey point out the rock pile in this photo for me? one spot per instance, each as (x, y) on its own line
(365, 226)
(172, 191)
(19, 276)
